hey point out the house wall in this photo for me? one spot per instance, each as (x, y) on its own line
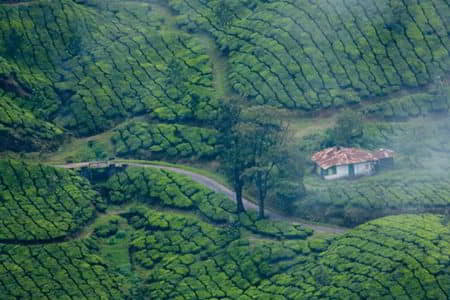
(341, 172)
(366, 168)
(362, 169)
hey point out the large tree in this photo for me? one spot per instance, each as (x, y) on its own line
(347, 131)
(289, 184)
(267, 137)
(254, 149)
(234, 152)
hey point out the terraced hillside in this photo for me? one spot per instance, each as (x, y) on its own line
(140, 139)
(84, 80)
(173, 238)
(169, 190)
(71, 270)
(418, 182)
(23, 130)
(350, 203)
(42, 204)
(379, 259)
(88, 68)
(300, 54)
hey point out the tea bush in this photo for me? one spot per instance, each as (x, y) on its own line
(144, 140)
(71, 270)
(414, 105)
(393, 257)
(20, 130)
(355, 202)
(170, 190)
(313, 55)
(39, 203)
(181, 256)
(90, 67)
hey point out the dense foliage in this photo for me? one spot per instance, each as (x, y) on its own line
(170, 190)
(71, 270)
(21, 130)
(394, 257)
(311, 55)
(177, 247)
(144, 79)
(350, 203)
(91, 66)
(88, 65)
(144, 140)
(167, 189)
(410, 106)
(181, 257)
(39, 203)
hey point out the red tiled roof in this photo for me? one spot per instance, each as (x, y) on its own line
(337, 156)
(383, 153)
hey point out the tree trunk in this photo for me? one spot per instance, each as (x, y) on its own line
(261, 206)
(260, 194)
(240, 204)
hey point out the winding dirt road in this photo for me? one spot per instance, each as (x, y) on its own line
(213, 185)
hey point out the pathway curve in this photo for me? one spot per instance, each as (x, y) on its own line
(213, 185)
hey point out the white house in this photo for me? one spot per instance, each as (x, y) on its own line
(340, 162)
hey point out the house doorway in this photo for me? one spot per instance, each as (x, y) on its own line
(351, 170)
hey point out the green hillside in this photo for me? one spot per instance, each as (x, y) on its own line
(90, 68)
(23, 130)
(86, 66)
(132, 96)
(168, 249)
(305, 55)
(40, 203)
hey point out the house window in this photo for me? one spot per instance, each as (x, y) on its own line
(333, 170)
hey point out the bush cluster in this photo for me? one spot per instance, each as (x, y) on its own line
(39, 203)
(313, 55)
(393, 257)
(185, 257)
(21, 130)
(414, 105)
(90, 69)
(170, 190)
(150, 141)
(71, 270)
(351, 203)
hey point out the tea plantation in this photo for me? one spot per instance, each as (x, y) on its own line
(22, 130)
(169, 190)
(185, 241)
(88, 68)
(391, 258)
(353, 203)
(312, 55)
(144, 140)
(71, 270)
(40, 203)
(410, 106)
(94, 80)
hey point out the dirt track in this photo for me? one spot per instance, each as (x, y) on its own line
(217, 187)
